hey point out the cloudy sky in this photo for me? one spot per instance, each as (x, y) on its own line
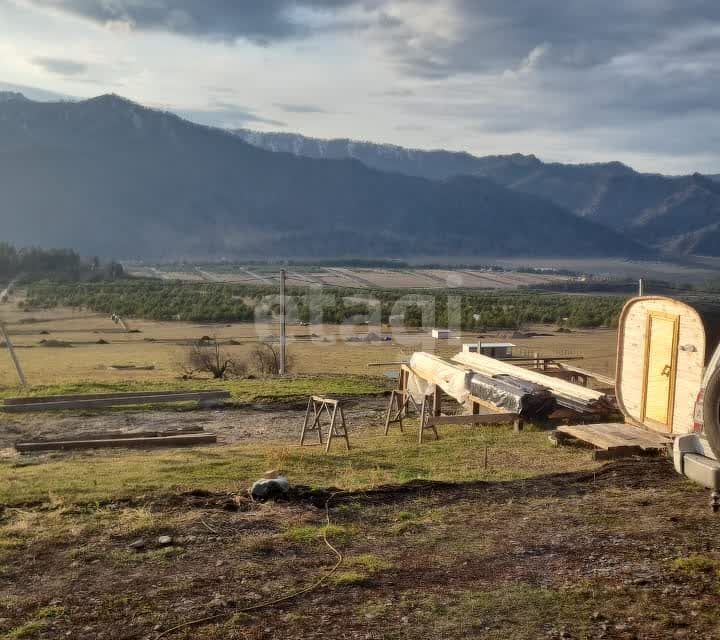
(568, 80)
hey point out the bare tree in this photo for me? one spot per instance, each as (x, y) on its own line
(206, 356)
(265, 358)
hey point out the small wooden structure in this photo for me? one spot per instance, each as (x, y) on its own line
(490, 349)
(440, 334)
(663, 345)
(662, 349)
(334, 411)
(104, 400)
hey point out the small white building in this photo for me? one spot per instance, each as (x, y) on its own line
(441, 334)
(490, 349)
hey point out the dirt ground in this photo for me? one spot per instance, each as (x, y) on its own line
(261, 422)
(628, 551)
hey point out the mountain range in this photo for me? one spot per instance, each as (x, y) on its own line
(110, 177)
(676, 214)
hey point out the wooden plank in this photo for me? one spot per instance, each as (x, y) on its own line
(114, 443)
(111, 402)
(613, 435)
(485, 418)
(119, 435)
(606, 380)
(210, 395)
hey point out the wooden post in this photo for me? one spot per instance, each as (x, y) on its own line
(283, 313)
(13, 356)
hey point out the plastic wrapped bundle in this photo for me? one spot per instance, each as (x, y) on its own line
(429, 371)
(528, 399)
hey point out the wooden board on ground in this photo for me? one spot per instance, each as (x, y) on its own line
(615, 439)
(129, 442)
(115, 435)
(95, 401)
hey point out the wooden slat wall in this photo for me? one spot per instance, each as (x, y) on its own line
(631, 359)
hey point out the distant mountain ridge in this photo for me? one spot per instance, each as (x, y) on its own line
(679, 214)
(109, 177)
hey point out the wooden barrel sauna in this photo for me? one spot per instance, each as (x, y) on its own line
(663, 347)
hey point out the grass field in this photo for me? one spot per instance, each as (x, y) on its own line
(540, 543)
(96, 344)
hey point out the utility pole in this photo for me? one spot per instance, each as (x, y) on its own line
(283, 321)
(11, 351)
(641, 287)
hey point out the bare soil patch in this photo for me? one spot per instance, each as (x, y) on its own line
(277, 421)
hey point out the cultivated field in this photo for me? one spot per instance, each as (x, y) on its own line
(350, 277)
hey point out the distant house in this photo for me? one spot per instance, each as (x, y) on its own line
(490, 349)
(441, 334)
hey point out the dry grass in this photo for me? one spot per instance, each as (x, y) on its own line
(161, 345)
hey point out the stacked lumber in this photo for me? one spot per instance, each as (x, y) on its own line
(527, 399)
(569, 395)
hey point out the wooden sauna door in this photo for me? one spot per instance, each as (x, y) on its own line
(660, 369)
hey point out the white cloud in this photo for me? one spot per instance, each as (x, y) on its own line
(631, 80)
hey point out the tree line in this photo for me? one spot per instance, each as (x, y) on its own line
(33, 263)
(218, 302)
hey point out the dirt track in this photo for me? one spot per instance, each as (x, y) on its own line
(277, 421)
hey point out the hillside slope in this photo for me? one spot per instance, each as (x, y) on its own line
(677, 214)
(111, 177)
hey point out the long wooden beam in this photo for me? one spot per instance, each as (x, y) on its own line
(116, 443)
(210, 395)
(112, 402)
(484, 418)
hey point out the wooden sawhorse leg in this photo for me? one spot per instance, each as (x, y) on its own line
(337, 430)
(316, 426)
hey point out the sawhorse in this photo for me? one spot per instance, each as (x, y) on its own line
(333, 409)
